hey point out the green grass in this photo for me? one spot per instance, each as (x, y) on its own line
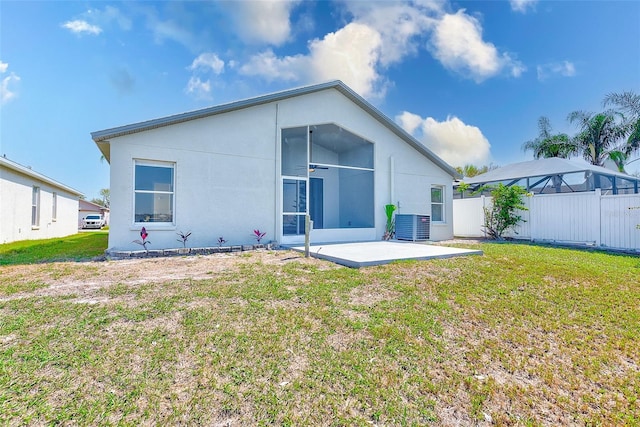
(80, 246)
(527, 335)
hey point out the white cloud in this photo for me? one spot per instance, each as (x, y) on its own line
(263, 22)
(350, 54)
(7, 90)
(409, 122)
(208, 62)
(107, 15)
(453, 140)
(522, 5)
(562, 68)
(169, 30)
(382, 34)
(82, 27)
(198, 88)
(400, 26)
(266, 64)
(379, 35)
(457, 43)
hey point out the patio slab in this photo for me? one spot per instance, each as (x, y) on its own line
(365, 254)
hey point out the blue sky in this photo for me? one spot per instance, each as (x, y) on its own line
(469, 79)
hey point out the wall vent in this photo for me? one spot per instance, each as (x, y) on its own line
(413, 227)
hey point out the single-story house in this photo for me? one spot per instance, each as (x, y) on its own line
(89, 208)
(33, 206)
(569, 202)
(551, 176)
(265, 163)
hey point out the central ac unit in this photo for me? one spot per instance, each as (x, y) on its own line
(412, 227)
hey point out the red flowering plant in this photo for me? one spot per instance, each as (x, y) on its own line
(183, 238)
(144, 242)
(259, 235)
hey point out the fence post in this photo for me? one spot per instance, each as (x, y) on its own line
(308, 226)
(598, 196)
(484, 219)
(532, 230)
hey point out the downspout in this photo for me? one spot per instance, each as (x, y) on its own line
(392, 173)
(276, 212)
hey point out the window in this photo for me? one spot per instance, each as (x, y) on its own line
(35, 207)
(54, 207)
(437, 203)
(327, 172)
(153, 192)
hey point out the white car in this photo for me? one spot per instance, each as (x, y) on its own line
(93, 221)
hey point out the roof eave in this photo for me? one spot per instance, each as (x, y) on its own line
(16, 167)
(103, 136)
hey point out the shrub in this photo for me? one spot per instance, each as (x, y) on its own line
(390, 228)
(503, 215)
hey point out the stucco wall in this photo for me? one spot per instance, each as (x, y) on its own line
(224, 179)
(227, 180)
(413, 173)
(15, 209)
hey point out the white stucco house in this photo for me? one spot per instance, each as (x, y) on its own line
(266, 162)
(33, 206)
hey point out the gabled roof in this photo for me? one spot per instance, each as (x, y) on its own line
(86, 205)
(101, 137)
(25, 170)
(541, 167)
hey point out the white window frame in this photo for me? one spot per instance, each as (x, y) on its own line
(35, 207)
(154, 163)
(54, 206)
(441, 204)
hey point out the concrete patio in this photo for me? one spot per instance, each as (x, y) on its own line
(365, 254)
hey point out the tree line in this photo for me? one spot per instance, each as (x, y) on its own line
(610, 134)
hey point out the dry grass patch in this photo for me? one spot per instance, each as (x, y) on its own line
(521, 336)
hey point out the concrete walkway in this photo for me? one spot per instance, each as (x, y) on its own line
(364, 254)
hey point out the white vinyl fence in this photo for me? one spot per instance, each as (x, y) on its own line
(579, 218)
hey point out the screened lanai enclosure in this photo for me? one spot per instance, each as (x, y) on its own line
(327, 172)
(550, 176)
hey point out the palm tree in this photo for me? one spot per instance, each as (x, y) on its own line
(599, 135)
(106, 197)
(549, 145)
(628, 104)
(469, 170)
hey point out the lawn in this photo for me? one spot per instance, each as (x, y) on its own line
(81, 246)
(524, 335)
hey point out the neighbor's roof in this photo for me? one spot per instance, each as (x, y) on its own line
(101, 137)
(541, 167)
(86, 205)
(26, 170)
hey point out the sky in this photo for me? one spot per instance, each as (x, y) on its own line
(469, 79)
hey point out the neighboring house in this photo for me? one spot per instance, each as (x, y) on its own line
(266, 162)
(88, 208)
(571, 202)
(33, 206)
(552, 175)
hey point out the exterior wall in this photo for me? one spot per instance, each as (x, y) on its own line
(581, 218)
(15, 209)
(227, 176)
(224, 179)
(403, 176)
